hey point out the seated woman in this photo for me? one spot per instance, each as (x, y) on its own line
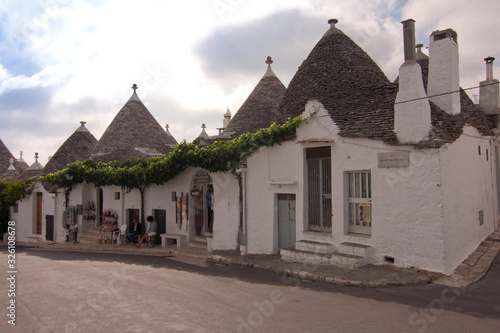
(150, 233)
(135, 229)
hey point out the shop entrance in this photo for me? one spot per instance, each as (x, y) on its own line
(202, 194)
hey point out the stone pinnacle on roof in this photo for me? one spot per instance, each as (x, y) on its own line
(82, 127)
(134, 96)
(203, 134)
(174, 142)
(36, 165)
(269, 71)
(420, 54)
(333, 28)
(11, 166)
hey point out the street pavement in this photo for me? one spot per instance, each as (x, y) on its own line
(80, 291)
(471, 270)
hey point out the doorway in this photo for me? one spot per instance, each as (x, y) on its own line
(160, 216)
(39, 203)
(286, 220)
(203, 196)
(319, 184)
(49, 227)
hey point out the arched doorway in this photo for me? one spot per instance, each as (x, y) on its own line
(202, 196)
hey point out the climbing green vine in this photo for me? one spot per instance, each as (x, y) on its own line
(219, 156)
(10, 193)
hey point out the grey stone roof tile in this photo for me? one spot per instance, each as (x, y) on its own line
(134, 133)
(260, 109)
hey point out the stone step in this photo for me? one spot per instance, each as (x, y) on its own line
(312, 246)
(346, 260)
(195, 243)
(314, 258)
(352, 248)
(200, 239)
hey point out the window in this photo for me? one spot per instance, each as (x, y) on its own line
(360, 202)
(319, 181)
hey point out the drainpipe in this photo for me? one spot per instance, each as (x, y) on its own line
(242, 239)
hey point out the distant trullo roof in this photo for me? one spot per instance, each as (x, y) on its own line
(5, 156)
(260, 108)
(35, 170)
(11, 174)
(76, 148)
(134, 133)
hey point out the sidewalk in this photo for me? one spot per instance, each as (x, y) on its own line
(369, 276)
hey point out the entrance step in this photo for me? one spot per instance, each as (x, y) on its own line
(90, 236)
(352, 248)
(314, 258)
(317, 247)
(198, 241)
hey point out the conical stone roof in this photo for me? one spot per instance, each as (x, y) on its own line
(11, 174)
(260, 109)
(5, 156)
(349, 84)
(35, 170)
(76, 148)
(134, 133)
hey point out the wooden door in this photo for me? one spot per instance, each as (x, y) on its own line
(286, 220)
(39, 201)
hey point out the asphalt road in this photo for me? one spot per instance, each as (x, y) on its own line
(59, 291)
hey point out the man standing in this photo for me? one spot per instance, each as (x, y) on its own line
(150, 233)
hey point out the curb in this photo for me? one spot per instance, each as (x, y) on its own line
(157, 251)
(307, 276)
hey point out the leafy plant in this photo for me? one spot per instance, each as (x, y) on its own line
(10, 193)
(217, 157)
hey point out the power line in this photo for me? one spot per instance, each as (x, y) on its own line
(446, 93)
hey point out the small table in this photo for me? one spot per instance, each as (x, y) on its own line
(104, 230)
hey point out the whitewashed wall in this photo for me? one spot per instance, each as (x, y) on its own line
(52, 204)
(469, 186)
(226, 211)
(407, 211)
(277, 164)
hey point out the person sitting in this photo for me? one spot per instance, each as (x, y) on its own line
(150, 233)
(135, 230)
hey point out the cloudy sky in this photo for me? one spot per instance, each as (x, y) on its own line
(66, 61)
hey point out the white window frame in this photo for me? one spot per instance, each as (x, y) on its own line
(359, 208)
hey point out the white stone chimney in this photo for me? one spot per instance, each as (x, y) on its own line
(489, 96)
(412, 112)
(443, 84)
